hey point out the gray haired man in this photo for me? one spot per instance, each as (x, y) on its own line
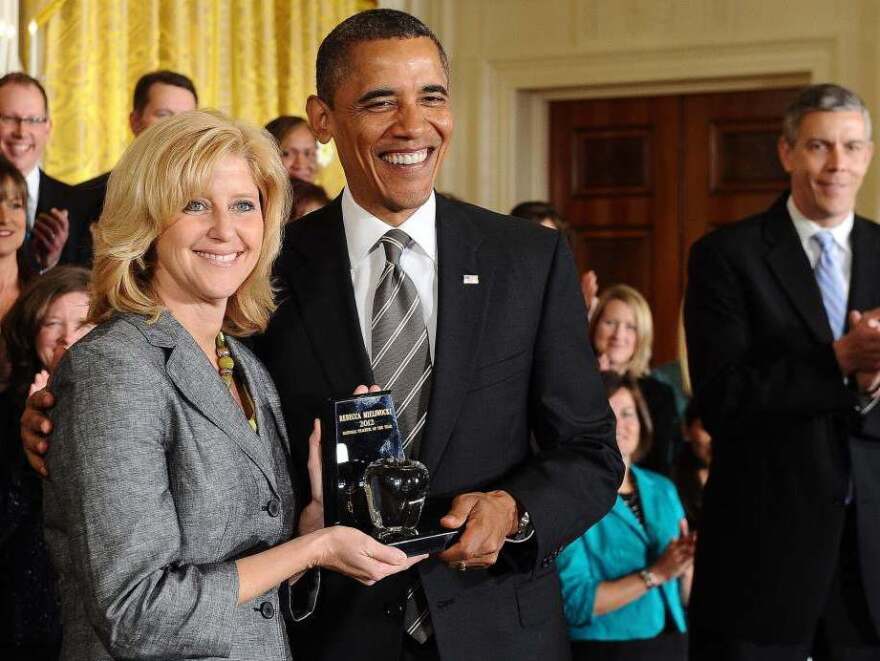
(781, 318)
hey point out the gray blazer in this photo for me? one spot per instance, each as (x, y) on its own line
(157, 485)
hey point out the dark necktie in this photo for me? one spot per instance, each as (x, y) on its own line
(401, 350)
(402, 364)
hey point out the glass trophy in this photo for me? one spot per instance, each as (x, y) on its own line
(395, 489)
(369, 483)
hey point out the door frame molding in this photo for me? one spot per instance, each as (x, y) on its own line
(514, 132)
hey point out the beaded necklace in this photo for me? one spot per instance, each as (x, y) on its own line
(226, 366)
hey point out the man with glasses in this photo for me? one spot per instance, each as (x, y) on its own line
(54, 228)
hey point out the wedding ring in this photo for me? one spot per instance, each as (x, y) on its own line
(460, 566)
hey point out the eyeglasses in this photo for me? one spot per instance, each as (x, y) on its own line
(33, 120)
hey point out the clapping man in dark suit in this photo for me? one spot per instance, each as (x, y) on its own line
(476, 323)
(784, 348)
(55, 230)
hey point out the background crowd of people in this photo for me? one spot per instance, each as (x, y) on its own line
(625, 582)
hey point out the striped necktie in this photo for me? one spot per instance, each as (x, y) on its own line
(829, 277)
(402, 364)
(401, 351)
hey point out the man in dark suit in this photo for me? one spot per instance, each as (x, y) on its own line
(784, 348)
(502, 352)
(56, 232)
(157, 95)
(488, 349)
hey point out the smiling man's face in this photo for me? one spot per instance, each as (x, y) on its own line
(391, 120)
(23, 143)
(827, 164)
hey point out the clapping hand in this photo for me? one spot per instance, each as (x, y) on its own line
(868, 381)
(51, 230)
(678, 556)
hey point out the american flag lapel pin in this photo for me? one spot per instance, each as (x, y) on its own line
(470, 279)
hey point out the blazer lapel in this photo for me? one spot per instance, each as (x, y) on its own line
(258, 389)
(198, 382)
(321, 281)
(650, 509)
(459, 312)
(865, 267)
(788, 261)
(622, 511)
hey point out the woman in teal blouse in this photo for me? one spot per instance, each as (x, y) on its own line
(626, 580)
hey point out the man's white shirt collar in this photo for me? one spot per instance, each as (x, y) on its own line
(806, 228)
(32, 179)
(363, 230)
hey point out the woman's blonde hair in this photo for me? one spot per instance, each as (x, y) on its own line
(164, 168)
(640, 363)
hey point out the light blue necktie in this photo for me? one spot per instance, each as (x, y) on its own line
(829, 276)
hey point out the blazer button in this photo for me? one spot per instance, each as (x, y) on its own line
(274, 508)
(267, 610)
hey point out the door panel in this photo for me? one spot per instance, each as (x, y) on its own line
(640, 179)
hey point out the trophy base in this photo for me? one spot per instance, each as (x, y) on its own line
(432, 542)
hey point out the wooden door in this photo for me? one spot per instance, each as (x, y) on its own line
(640, 179)
(731, 168)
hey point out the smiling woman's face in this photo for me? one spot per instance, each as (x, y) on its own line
(211, 246)
(12, 218)
(63, 324)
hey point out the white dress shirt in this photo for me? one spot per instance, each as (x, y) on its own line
(419, 260)
(806, 228)
(33, 185)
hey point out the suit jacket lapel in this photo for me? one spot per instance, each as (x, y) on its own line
(788, 261)
(48, 194)
(258, 390)
(865, 266)
(459, 313)
(198, 382)
(321, 281)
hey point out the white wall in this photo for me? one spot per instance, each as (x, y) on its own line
(510, 57)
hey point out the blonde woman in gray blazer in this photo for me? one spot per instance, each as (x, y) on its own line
(169, 507)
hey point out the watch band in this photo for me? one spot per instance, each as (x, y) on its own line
(650, 578)
(524, 529)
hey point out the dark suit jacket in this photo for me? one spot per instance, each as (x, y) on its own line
(56, 194)
(666, 436)
(786, 438)
(91, 194)
(512, 356)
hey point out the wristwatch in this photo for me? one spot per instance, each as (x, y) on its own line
(524, 530)
(650, 578)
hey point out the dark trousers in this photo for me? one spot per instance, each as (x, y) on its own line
(844, 632)
(665, 647)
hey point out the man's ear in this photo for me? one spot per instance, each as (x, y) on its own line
(784, 149)
(134, 122)
(320, 119)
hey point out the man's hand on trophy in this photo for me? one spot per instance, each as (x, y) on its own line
(488, 518)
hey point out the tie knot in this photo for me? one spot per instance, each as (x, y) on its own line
(824, 239)
(394, 241)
